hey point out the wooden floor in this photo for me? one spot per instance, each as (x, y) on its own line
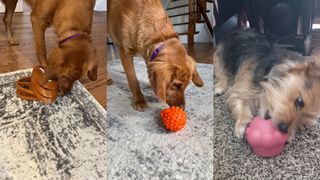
(23, 56)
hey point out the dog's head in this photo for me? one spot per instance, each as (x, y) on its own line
(69, 62)
(170, 73)
(292, 97)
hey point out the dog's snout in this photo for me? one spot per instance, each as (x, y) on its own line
(283, 127)
(267, 115)
(178, 104)
(182, 106)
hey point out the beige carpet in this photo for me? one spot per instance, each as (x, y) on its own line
(139, 147)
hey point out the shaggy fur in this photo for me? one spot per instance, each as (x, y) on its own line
(72, 59)
(10, 6)
(260, 79)
(139, 26)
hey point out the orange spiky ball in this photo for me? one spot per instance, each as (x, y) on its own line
(174, 118)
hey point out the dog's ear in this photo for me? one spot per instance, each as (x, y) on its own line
(160, 87)
(159, 78)
(196, 79)
(92, 74)
(93, 66)
(312, 69)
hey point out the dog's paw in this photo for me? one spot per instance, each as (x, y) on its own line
(140, 105)
(13, 42)
(239, 132)
(240, 128)
(290, 136)
(109, 81)
(289, 140)
(218, 92)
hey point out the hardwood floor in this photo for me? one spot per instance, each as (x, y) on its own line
(23, 56)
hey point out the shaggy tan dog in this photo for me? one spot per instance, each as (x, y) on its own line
(261, 79)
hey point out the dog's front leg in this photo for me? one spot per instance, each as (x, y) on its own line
(221, 78)
(109, 78)
(39, 26)
(244, 117)
(139, 103)
(7, 20)
(241, 112)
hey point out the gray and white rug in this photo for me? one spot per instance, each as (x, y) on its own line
(233, 158)
(63, 140)
(138, 145)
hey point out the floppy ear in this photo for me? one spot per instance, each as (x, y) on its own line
(160, 87)
(196, 79)
(93, 66)
(313, 70)
(92, 73)
(159, 84)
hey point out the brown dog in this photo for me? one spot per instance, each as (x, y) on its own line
(143, 27)
(74, 56)
(10, 6)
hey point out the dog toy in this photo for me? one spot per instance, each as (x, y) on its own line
(174, 118)
(265, 139)
(30, 88)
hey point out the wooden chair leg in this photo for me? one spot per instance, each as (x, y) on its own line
(202, 7)
(192, 22)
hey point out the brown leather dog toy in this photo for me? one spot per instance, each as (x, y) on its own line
(30, 88)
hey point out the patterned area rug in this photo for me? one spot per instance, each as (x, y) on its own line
(138, 145)
(64, 140)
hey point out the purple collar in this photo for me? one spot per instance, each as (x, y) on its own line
(69, 38)
(156, 52)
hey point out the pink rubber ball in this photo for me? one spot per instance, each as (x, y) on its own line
(265, 138)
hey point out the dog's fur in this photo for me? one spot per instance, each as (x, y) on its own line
(10, 6)
(138, 26)
(72, 59)
(261, 79)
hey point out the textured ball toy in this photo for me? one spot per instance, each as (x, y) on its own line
(265, 139)
(174, 118)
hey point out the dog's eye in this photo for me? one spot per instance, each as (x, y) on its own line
(299, 103)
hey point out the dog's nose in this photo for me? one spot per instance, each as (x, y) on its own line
(267, 115)
(283, 127)
(178, 105)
